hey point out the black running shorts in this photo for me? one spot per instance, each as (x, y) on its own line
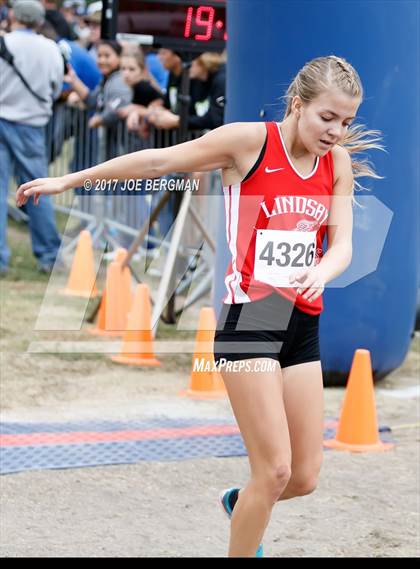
(269, 328)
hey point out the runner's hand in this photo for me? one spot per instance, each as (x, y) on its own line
(310, 283)
(38, 187)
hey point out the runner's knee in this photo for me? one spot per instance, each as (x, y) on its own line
(304, 481)
(275, 480)
(304, 485)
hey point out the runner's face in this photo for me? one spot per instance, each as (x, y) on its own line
(326, 118)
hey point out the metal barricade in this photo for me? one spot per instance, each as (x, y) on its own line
(114, 215)
(73, 146)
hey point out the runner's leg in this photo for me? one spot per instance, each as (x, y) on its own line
(257, 402)
(303, 402)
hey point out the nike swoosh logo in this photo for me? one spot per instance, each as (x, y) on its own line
(269, 170)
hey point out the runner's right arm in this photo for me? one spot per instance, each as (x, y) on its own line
(212, 151)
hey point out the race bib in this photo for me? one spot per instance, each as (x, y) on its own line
(280, 253)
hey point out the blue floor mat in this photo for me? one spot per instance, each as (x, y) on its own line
(38, 446)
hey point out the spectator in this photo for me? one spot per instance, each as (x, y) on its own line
(57, 20)
(111, 95)
(23, 116)
(84, 66)
(94, 24)
(136, 76)
(208, 68)
(173, 62)
(72, 11)
(62, 123)
(77, 56)
(206, 109)
(155, 68)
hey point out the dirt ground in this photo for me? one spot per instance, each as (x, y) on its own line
(365, 505)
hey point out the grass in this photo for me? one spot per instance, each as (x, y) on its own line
(23, 265)
(22, 292)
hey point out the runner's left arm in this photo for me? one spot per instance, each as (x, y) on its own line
(311, 282)
(340, 222)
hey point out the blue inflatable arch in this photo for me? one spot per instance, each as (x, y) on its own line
(373, 304)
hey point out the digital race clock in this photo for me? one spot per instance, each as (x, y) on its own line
(176, 24)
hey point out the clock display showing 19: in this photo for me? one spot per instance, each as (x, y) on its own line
(204, 17)
(181, 23)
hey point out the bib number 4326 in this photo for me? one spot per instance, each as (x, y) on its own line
(279, 253)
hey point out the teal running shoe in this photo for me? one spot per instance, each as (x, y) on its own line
(227, 501)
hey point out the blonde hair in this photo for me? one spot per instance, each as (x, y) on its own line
(136, 53)
(322, 74)
(211, 61)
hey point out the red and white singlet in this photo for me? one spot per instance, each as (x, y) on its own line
(276, 221)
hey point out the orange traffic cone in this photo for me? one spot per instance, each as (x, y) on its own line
(205, 382)
(101, 325)
(120, 301)
(82, 274)
(358, 428)
(137, 348)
